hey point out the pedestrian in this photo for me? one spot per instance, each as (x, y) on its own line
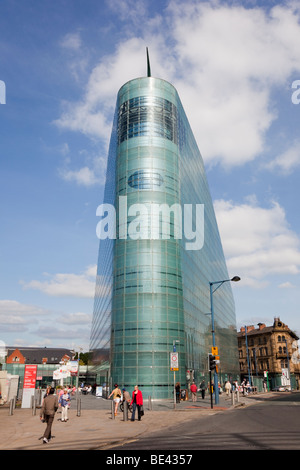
(177, 392)
(64, 402)
(202, 389)
(46, 393)
(48, 410)
(244, 387)
(194, 391)
(137, 402)
(116, 397)
(126, 395)
(227, 388)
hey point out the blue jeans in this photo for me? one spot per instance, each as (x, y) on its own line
(135, 406)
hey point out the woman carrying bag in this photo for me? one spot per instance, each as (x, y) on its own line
(137, 402)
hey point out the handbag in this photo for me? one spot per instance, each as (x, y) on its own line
(141, 410)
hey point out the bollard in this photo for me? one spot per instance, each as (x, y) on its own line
(79, 407)
(33, 407)
(238, 396)
(112, 410)
(149, 403)
(232, 398)
(125, 411)
(11, 407)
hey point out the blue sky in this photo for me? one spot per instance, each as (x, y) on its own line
(63, 62)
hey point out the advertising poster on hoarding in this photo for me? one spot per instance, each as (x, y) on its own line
(29, 385)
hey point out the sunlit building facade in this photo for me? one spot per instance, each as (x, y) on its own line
(154, 267)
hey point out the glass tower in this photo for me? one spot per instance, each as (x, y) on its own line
(159, 250)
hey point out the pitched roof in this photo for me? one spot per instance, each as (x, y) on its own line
(36, 355)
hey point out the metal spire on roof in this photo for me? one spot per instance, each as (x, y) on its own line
(148, 64)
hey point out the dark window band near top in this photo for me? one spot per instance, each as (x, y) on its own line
(145, 116)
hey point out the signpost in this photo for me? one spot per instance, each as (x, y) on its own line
(174, 367)
(174, 361)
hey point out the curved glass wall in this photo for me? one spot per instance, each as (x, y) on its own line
(153, 292)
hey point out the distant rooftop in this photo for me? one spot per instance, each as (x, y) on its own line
(37, 355)
(278, 325)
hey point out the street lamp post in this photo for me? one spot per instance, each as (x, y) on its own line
(77, 374)
(248, 357)
(212, 291)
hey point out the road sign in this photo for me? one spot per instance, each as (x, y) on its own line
(174, 361)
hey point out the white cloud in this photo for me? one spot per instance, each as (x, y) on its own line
(78, 318)
(232, 57)
(11, 308)
(287, 161)
(67, 334)
(66, 284)
(257, 241)
(84, 177)
(71, 41)
(16, 317)
(89, 175)
(133, 10)
(225, 61)
(286, 285)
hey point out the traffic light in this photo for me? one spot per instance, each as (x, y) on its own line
(212, 362)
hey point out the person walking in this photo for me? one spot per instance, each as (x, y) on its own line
(47, 413)
(202, 389)
(64, 402)
(228, 388)
(116, 397)
(137, 402)
(194, 391)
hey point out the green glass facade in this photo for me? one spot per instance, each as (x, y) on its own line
(152, 287)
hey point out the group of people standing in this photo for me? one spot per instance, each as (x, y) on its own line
(228, 387)
(194, 389)
(136, 400)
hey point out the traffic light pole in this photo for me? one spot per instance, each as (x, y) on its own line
(210, 391)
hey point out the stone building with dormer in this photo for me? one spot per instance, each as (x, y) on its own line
(270, 355)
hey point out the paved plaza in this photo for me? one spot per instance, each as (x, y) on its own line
(94, 427)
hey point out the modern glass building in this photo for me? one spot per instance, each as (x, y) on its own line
(155, 264)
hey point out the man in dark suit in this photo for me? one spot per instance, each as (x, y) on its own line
(48, 410)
